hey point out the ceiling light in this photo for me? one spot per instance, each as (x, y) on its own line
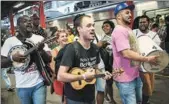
(18, 4)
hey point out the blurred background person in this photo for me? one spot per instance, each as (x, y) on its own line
(37, 29)
(164, 35)
(157, 18)
(167, 35)
(135, 23)
(108, 27)
(62, 40)
(6, 79)
(154, 27)
(70, 34)
(4, 35)
(147, 77)
(51, 32)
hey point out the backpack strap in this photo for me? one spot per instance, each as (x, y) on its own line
(96, 38)
(136, 33)
(76, 47)
(154, 36)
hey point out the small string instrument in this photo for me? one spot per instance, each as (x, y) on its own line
(77, 85)
(25, 52)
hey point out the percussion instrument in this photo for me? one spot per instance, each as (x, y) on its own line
(149, 48)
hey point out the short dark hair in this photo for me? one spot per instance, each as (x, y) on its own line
(145, 16)
(78, 20)
(110, 23)
(154, 25)
(34, 16)
(136, 23)
(158, 16)
(167, 18)
(20, 19)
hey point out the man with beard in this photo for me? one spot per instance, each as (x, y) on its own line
(30, 86)
(37, 29)
(85, 56)
(143, 29)
(126, 56)
(147, 77)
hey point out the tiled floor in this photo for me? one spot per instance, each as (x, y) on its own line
(160, 95)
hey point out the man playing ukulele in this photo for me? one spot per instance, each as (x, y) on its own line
(87, 57)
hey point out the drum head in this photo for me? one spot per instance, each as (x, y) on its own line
(163, 61)
(21, 49)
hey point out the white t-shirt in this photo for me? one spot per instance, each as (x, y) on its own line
(101, 64)
(153, 35)
(31, 77)
(109, 47)
(109, 40)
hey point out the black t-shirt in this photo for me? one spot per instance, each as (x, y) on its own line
(85, 58)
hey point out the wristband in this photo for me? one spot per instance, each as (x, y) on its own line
(84, 76)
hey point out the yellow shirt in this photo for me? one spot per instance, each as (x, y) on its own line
(71, 38)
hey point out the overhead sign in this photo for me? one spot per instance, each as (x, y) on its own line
(88, 4)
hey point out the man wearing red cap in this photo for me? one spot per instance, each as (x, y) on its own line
(126, 56)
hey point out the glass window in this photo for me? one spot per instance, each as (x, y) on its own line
(47, 5)
(62, 3)
(28, 11)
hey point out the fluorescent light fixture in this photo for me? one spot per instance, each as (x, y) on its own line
(18, 4)
(24, 9)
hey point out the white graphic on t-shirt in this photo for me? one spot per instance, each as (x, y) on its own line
(87, 62)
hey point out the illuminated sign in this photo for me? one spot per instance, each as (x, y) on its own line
(88, 4)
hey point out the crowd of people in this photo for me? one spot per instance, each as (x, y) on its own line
(114, 57)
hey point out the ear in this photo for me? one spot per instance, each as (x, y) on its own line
(78, 28)
(118, 16)
(57, 41)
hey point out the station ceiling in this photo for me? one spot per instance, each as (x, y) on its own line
(6, 6)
